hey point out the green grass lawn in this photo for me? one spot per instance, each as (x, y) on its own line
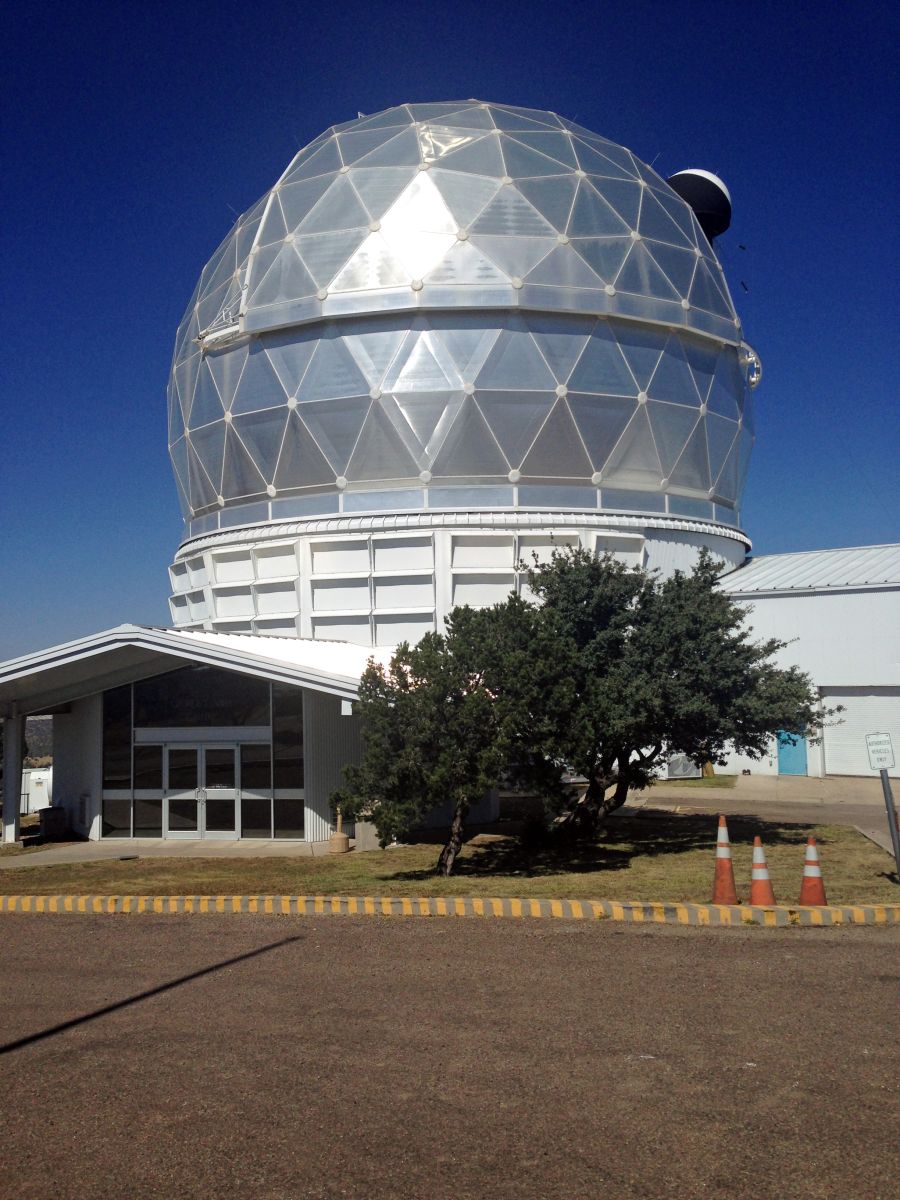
(650, 855)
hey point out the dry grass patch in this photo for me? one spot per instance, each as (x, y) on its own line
(649, 855)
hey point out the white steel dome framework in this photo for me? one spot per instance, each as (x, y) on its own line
(444, 316)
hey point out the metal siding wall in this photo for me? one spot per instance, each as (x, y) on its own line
(330, 741)
(868, 711)
(78, 763)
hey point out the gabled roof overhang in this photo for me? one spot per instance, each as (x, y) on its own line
(49, 678)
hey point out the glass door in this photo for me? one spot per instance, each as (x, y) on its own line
(218, 791)
(182, 791)
(201, 790)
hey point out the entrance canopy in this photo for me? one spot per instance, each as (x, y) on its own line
(49, 678)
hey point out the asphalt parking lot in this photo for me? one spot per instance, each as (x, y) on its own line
(280, 1058)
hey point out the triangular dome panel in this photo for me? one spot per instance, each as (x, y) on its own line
(720, 437)
(634, 461)
(509, 214)
(262, 433)
(301, 463)
(332, 373)
(465, 196)
(336, 426)
(290, 353)
(672, 379)
(515, 364)
(296, 200)
(692, 468)
(601, 421)
(593, 217)
(672, 425)
(380, 452)
(239, 474)
(560, 345)
(558, 451)
(516, 256)
(523, 163)
(469, 448)
(481, 157)
(379, 187)
(602, 368)
(603, 255)
(515, 418)
(553, 198)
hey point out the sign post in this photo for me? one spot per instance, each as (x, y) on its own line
(881, 759)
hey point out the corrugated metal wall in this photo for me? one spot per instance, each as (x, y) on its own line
(330, 741)
(867, 710)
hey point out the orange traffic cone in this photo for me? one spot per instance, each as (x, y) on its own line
(812, 889)
(724, 891)
(760, 883)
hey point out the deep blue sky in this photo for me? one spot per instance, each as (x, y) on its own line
(136, 132)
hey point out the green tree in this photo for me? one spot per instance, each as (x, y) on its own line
(438, 724)
(658, 667)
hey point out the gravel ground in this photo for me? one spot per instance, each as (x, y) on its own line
(422, 1059)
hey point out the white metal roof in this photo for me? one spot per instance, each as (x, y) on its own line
(852, 567)
(66, 672)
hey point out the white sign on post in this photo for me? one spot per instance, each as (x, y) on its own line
(881, 751)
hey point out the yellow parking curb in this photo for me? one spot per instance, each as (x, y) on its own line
(654, 912)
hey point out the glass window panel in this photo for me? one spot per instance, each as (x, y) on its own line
(219, 816)
(183, 814)
(470, 497)
(558, 451)
(288, 818)
(116, 818)
(538, 496)
(219, 767)
(256, 766)
(117, 737)
(148, 817)
(256, 817)
(685, 506)
(183, 768)
(148, 767)
(621, 499)
(193, 696)
(287, 736)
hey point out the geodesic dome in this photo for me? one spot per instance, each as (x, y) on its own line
(450, 299)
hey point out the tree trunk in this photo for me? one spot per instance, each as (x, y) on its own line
(619, 796)
(454, 842)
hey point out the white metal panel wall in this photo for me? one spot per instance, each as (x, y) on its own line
(330, 741)
(78, 764)
(868, 710)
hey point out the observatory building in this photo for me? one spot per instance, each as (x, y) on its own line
(450, 336)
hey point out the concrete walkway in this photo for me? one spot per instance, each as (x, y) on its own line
(834, 800)
(105, 851)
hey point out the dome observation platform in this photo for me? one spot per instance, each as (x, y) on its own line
(450, 335)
